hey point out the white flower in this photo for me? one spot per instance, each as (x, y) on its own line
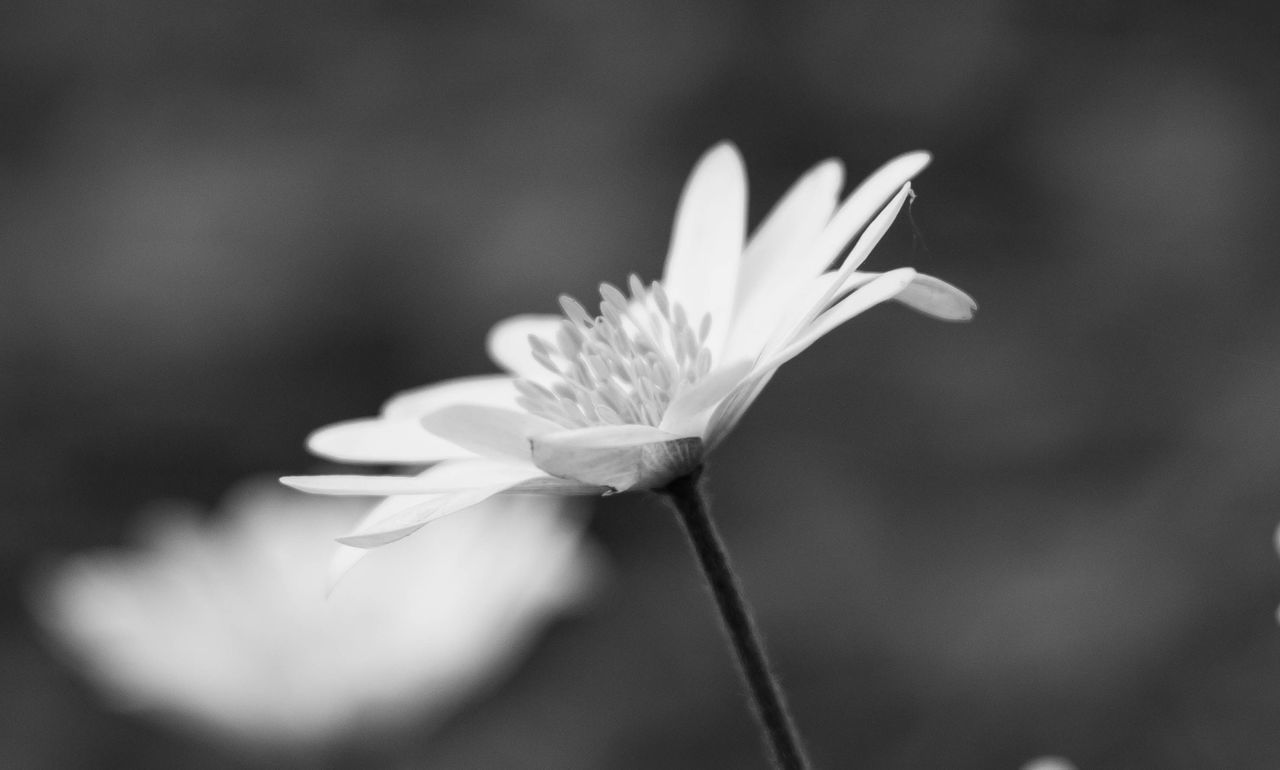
(635, 397)
(225, 626)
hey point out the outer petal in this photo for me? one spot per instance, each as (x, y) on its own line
(488, 431)
(686, 414)
(508, 343)
(882, 288)
(925, 294)
(768, 272)
(937, 298)
(447, 477)
(801, 308)
(620, 457)
(398, 517)
(490, 390)
(730, 411)
(379, 440)
(360, 486)
(706, 243)
(858, 209)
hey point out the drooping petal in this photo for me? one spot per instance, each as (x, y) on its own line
(620, 457)
(882, 288)
(727, 414)
(344, 558)
(768, 273)
(487, 430)
(870, 237)
(706, 242)
(925, 294)
(449, 476)
(801, 308)
(489, 390)
(358, 486)
(858, 209)
(935, 297)
(382, 440)
(686, 414)
(508, 343)
(399, 516)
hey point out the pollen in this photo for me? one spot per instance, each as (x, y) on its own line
(622, 367)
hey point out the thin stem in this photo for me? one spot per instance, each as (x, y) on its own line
(770, 707)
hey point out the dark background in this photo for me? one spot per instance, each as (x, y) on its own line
(1048, 531)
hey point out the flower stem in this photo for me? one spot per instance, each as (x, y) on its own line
(771, 711)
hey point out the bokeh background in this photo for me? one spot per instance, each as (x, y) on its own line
(1048, 531)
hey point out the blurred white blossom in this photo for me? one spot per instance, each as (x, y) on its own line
(224, 625)
(1049, 763)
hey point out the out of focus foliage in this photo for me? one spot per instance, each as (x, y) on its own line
(1046, 532)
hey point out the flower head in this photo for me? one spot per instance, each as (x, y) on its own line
(634, 396)
(225, 626)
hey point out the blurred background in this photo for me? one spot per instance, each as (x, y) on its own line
(1049, 531)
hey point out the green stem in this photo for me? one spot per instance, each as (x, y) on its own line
(771, 711)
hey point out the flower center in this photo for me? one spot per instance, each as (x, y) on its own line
(622, 367)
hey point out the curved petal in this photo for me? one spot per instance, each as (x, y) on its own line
(858, 209)
(797, 311)
(490, 390)
(358, 486)
(882, 288)
(344, 558)
(935, 297)
(380, 440)
(870, 237)
(508, 343)
(399, 516)
(620, 457)
(488, 430)
(685, 415)
(730, 411)
(706, 242)
(768, 268)
(450, 476)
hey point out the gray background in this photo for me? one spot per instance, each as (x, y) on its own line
(1048, 531)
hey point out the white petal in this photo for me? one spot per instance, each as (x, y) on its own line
(449, 476)
(350, 484)
(768, 270)
(686, 414)
(345, 556)
(937, 298)
(871, 236)
(490, 390)
(488, 431)
(706, 242)
(508, 343)
(398, 517)
(803, 307)
(880, 289)
(858, 209)
(380, 440)
(730, 411)
(620, 457)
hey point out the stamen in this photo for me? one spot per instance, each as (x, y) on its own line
(621, 367)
